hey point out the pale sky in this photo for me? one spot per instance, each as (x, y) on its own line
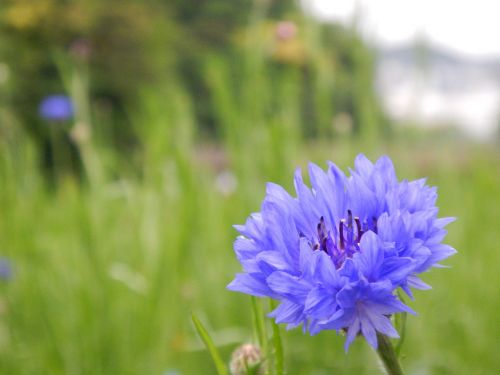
(465, 26)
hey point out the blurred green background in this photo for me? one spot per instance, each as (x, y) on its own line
(117, 222)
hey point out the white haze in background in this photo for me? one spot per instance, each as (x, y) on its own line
(465, 26)
(467, 30)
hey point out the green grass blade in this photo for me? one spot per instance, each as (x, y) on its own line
(279, 368)
(400, 322)
(259, 324)
(209, 344)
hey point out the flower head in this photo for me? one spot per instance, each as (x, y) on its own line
(335, 255)
(56, 108)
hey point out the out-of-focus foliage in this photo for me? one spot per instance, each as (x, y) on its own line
(124, 46)
(125, 43)
(216, 98)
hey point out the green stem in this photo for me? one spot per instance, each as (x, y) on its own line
(388, 356)
(402, 330)
(260, 324)
(279, 368)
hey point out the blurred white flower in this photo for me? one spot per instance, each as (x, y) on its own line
(226, 183)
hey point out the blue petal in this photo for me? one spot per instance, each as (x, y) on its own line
(307, 203)
(439, 253)
(348, 296)
(253, 227)
(273, 259)
(383, 325)
(370, 258)
(278, 193)
(442, 222)
(379, 289)
(395, 305)
(397, 269)
(386, 168)
(323, 188)
(352, 332)
(420, 254)
(251, 266)
(287, 312)
(306, 258)
(363, 166)
(320, 303)
(349, 270)
(361, 199)
(288, 286)
(249, 284)
(245, 248)
(288, 206)
(416, 283)
(368, 331)
(407, 290)
(339, 182)
(325, 271)
(342, 318)
(281, 231)
(436, 237)
(385, 228)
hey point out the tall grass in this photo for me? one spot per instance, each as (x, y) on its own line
(109, 270)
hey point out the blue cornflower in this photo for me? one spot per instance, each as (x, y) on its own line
(335, 255)
(56, 108)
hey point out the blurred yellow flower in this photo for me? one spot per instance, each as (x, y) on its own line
(26, 14)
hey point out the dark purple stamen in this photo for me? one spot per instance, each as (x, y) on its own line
(358, 227)
(341, 234)
(321, 227)
(350, 231)
(349, 236)
(322, 236)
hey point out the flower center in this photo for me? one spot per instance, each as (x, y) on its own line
(344, 242)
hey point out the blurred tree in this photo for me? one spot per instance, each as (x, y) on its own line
(125, 45)
(124, 42)
(336, 72)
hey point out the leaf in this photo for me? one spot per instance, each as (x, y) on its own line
(209, 344)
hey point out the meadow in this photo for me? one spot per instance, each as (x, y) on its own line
(109, 266)
(107, 274)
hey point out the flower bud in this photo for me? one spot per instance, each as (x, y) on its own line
(247, 359)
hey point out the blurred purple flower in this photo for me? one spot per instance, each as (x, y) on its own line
(5, 269)
(56, 108)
